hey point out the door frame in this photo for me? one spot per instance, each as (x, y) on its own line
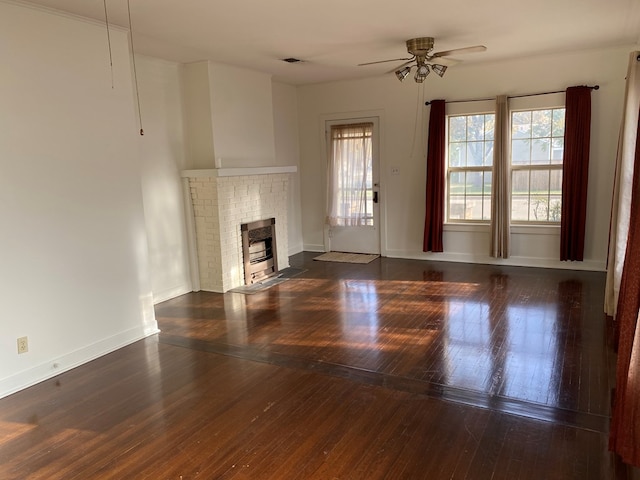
(376, 116)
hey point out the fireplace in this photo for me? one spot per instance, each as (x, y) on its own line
(259, 252)
(222, 200)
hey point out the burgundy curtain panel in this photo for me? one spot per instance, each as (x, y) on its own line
(624, 433)
(434, 215)
(575, 174)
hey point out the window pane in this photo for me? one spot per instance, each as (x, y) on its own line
(475, 127)
(536, 195)
(541, 126)
(521, 124)
(475, 154)
(457, 155)
(489, 126)
(540, 150)
(539, 182)
(457, 129)
(473, 207)
(469, 188)
(486, 208)
(539, 208)
(487, 183)
(474, 183)
(520, 208)
(555, 182)
(456, 207)
(369, 208)
(558, 122)
(488, 154)
(456, 183)
(557, 150)
(521, 152)
(520, 182)
(555, 208)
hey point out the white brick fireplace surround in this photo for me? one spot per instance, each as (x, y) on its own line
(224, 198)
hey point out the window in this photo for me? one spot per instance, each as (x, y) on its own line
(351, 194)
(469, 167)
(536, 144)
(537, 147)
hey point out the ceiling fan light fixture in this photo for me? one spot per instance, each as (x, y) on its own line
(402, 73)
(421, 73)
(439, 69)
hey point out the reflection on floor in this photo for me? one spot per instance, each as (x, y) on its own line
(398, 369)
(527, 341)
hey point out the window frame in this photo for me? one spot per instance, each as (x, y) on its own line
(533, 103)
(465, 109)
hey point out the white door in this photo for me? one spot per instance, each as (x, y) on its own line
(353, 189)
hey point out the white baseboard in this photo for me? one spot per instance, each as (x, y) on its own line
(293, 250)
(56, 366)
(311, 247)
(588, 265)
(171, 293)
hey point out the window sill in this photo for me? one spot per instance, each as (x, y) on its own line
(467, 227)
(536, 229)
(515, 229)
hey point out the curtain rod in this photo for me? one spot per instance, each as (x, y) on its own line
(594, 87)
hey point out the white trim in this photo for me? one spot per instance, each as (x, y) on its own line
(313, 247)
(236, 172)
(519, 229)
(588, 265)
(377, 116)
(71, 360)
(467, 227)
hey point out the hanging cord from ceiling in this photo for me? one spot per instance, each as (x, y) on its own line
(106, 21)
(135, 73)
(418, 124)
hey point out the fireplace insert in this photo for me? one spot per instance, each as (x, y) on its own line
(259, 251)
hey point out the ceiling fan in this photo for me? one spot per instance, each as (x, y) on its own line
(425, 61)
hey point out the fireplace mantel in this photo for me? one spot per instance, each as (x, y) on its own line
(237, 171)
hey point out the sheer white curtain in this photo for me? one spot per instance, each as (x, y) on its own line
(500, 211)
(350, 175)
(621, 204)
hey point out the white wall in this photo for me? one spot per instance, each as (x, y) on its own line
(403, 141)
(242, 116)
(73, 246)
(285, 126)
(198, 121)
(162, 152)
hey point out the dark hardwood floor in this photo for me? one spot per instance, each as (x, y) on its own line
(398, 369)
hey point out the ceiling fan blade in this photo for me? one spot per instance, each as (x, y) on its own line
(457, 51)
(395, 69)
(384, 61)
(447, 62)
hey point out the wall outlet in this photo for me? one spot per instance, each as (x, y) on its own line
(23, 345)
(395, 171)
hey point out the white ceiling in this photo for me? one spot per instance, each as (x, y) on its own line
(333, 36)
